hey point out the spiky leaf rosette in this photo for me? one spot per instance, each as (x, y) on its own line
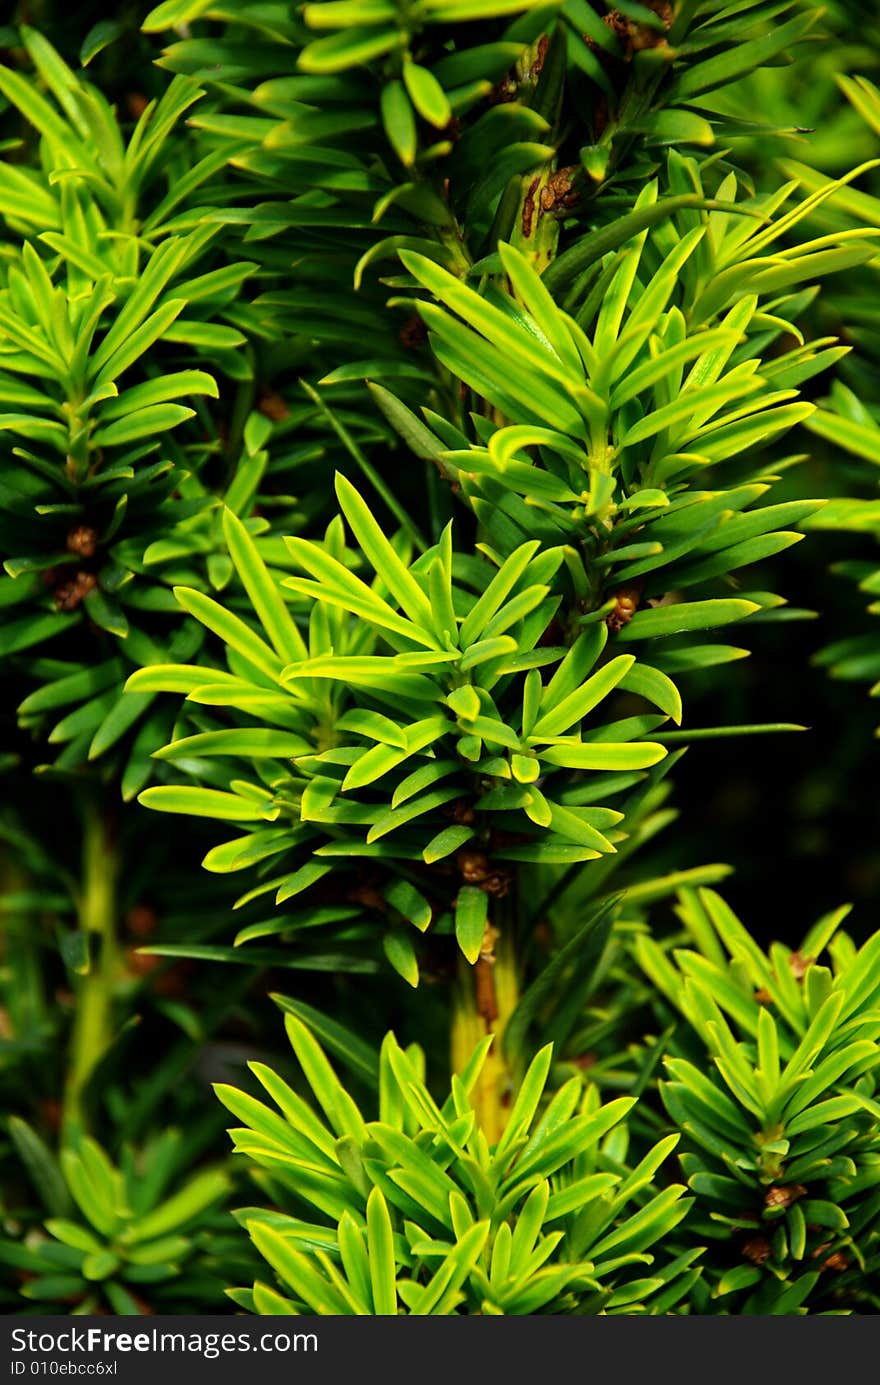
(417, 724)
(125, 1238)
(414, 1212)
(849, 419)
(442, 127)
(771, 1078)
(116, 293)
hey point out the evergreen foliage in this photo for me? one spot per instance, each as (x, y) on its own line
(402, 406)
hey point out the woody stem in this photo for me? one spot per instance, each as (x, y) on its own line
(486, 995)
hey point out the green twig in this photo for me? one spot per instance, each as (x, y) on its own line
(92, 1025)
